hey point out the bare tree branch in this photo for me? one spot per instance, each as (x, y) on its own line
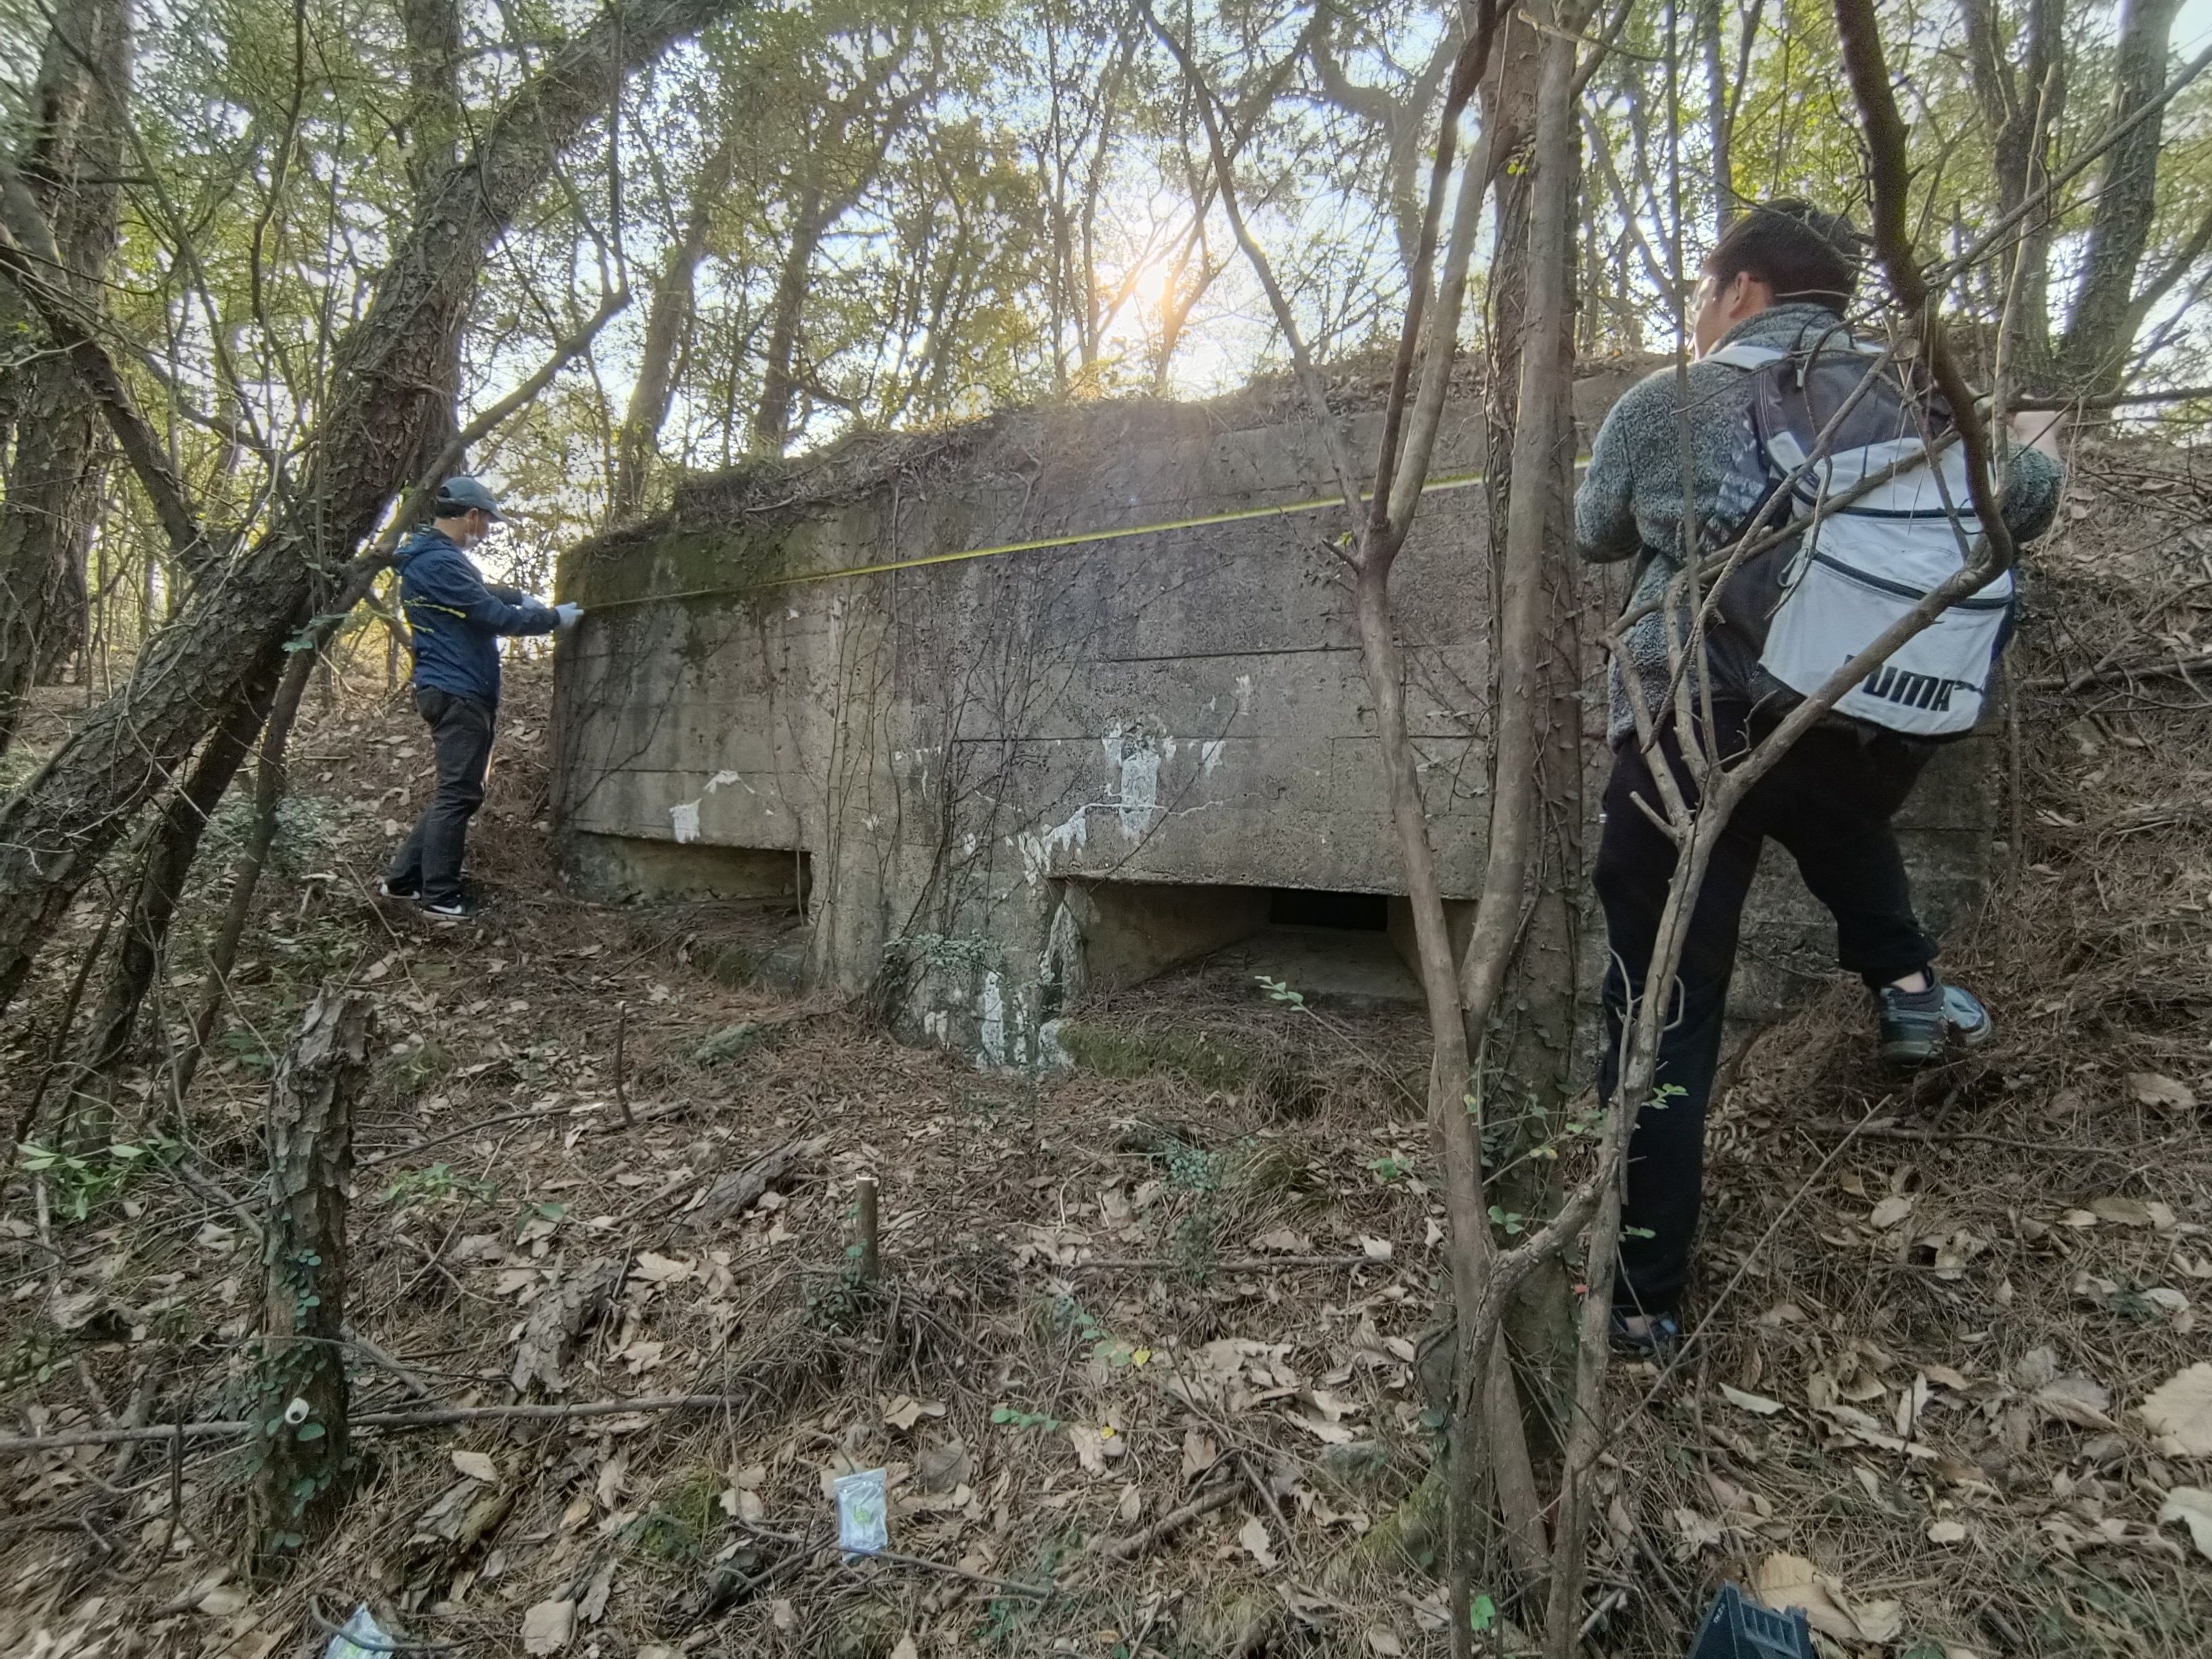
(26, 256)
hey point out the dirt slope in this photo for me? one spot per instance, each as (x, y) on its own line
(1196, 1270)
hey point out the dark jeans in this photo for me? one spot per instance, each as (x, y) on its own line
(429, 859)
(1829, 800)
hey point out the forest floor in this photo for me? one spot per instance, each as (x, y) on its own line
(1196, 1267)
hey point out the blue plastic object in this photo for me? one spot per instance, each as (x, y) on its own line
(1737, 1627)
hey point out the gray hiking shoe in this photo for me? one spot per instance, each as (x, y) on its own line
(1917, 1025)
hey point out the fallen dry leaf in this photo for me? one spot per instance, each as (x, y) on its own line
(547, 1626)
(2192, 1507)
(2179, 1413)
(1199, 1453)
(1890, 1213)
(1381, 1642)
(1375, 1249)
(905, 1411)
(1253, 1537)
(943, 1467)
(1757, 1404)
(659, 1269)
(641, 1356)
(1785, 1580)
(2036, 1367)
(593, 1606)
(2122, 1212)
(477, 1465)
(2077, 1400)
(1089, 1447)
(2156, 1089)
(1947, 1532)
(906, 1649)
(1699, 1531)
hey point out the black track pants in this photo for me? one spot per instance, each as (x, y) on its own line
(460, 735)
(1829, 800)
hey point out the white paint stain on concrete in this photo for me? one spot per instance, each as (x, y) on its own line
(1041, 849)
(1135, 764)
(722, 781)
(1209, 757)
(991, 1032)
(683, 820)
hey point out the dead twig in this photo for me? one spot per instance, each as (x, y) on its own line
(1129, 1548)
(621, 1082)
(2120, 672)
(392, 1422)
(1941, 1137)
(1249, 1264)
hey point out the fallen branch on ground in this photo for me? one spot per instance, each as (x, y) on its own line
(1939, 1137)
(2155, 668)
(1127, 1549)
(395, 1422)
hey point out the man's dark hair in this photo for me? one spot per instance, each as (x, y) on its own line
(1795, 248)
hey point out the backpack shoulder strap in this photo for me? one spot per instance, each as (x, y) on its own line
(1745, 356)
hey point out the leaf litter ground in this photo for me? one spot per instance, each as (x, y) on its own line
(1149, 1331)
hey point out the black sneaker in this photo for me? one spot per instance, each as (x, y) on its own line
(387, 888)
(464, 908)
(1658, 1340)
(1917, 1025)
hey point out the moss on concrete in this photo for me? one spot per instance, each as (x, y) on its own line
(1122, 1054)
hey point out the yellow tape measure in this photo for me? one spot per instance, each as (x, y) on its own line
(1437, 485)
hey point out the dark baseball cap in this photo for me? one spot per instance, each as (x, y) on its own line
(460, 495)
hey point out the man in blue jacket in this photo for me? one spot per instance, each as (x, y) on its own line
(457, 618)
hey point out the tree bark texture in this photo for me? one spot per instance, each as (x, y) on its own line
(377, 433)
(69, 163)
(432, 29)
(175, 844)
(2021, 108)
(305, 1463)
(2093, 357)
(665, 323)
(1522, 1040)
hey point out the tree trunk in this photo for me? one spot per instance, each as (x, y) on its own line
(779, 385)
(664, 326)
(1720, 120)
(376, 435)
(2092, 358)
(176, 843)
(69, 165)
(1522, 1059)
(2020, 112)
(432, 29)
(304, 1472)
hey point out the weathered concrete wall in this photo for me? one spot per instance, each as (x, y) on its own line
(965, 751)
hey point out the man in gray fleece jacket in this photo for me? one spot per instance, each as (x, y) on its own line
(1781, 275)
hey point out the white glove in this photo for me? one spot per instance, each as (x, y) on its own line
(568, 614)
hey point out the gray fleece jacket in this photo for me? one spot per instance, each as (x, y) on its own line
(1630, 499)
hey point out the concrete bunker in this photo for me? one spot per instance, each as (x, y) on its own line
(1337, 946)
(1016, 713)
